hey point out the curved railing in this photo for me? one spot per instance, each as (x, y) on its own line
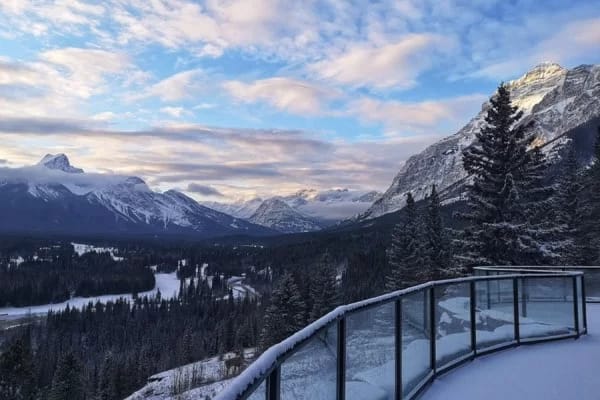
(591, 273)
(393, 346)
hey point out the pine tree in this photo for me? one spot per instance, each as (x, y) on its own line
(507, 180)
(16, 372)
(567, 211)
(67, 383)
(590, 229)
(285, 315)
(405, 255)
(323, 290)
(437, 244)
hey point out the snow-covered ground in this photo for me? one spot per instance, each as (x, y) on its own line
(210, 376)
(550, 371)
(168, 284)
(81, 249)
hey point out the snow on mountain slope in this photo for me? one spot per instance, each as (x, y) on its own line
(558, 99)
(331, 205)
(325, 207)
(240, 208)
(63, 193)
(277, 214)
(59, 162)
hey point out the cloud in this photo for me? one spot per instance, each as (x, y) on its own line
(59, 80)
(571, 44)
(44, 17)
(203, 190)
(396, 64)
(175, 112)
(85, 70)
(176, 87)
(286, 94)
(218, 25)
(239, 162)
(422, 116)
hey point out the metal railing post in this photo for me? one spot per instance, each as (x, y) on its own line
(489, 299)
(524, 296)
(432, 333)
(274, 384)
(472, 305)
(584, 302)
(516, 309)
(398, 344)
(341, 359)
(575, 306)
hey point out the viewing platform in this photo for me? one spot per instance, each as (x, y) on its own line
(409, 343)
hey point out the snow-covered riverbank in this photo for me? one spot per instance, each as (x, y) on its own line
(168, 284)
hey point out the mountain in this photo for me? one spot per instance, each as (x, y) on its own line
(557, 99)
(276, 214)
(240, 208)
(324, 207)
(59, 162)
(55, 197)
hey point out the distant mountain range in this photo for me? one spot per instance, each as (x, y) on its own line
(557, 99)
(305, 210)
(55, 197)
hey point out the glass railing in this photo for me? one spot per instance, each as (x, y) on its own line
(591, 273)
(393, 346)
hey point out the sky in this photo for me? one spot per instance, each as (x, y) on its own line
(231, 99)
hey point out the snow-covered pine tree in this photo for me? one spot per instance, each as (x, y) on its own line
(285, 313)
(590, 226)
(567, 211)
(436, 241)
(506, 180)
(67, 383)
(323, 290)
(405, 255)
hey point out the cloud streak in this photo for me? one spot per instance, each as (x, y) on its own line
(396, 64)
(235, 162)
(285, 94)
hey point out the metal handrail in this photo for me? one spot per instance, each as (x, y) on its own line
(267, 367)
(592, 285)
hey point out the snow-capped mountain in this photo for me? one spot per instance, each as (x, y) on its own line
(276, 214)
(325, 207)
(59, 162)
(54, 196)
(558, 99)
(240, 208)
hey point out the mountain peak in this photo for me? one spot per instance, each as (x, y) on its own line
(276, 214)
(59, 162)
(545, 71)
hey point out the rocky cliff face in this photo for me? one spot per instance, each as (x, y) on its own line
(557, 99)
(278, 215)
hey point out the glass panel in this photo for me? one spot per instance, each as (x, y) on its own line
(494, 313)
(311, 372)
(260, 393)
(370, 353)
(453, 322)
(416, 343)
(545, 307)
(580, 304)
(592, 284)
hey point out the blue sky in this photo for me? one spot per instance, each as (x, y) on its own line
(264, 97)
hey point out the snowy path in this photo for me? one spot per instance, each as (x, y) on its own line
(559, 370)
(167, 283)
